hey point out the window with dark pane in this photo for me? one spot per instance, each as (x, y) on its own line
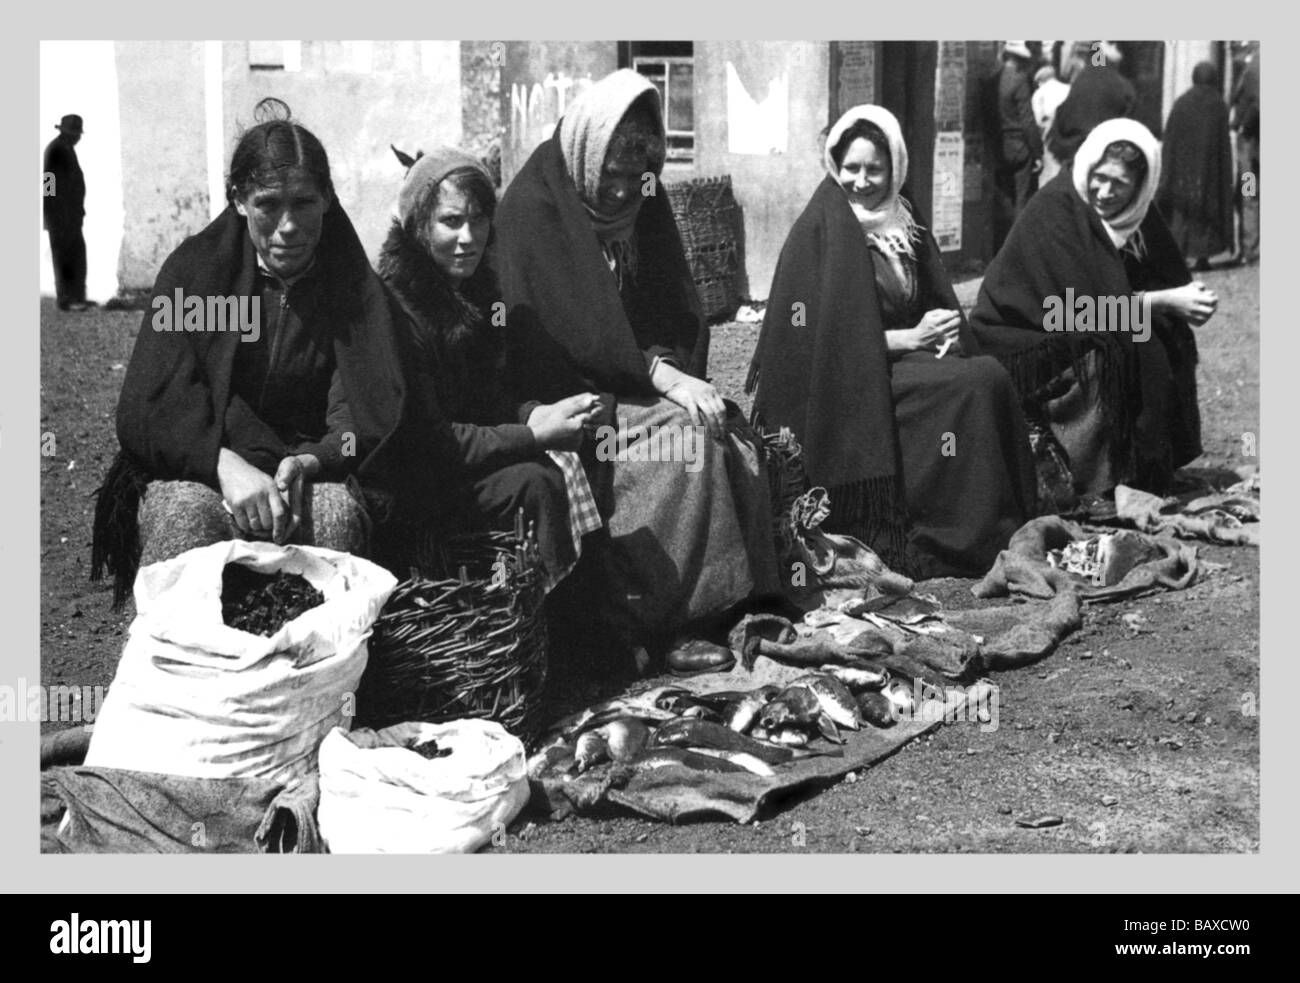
(670, 66)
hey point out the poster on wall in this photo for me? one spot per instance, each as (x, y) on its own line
(755, 125)
(950, 86)
(948, 186)
(857, 74)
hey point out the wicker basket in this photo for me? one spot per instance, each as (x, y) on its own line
(786, 480)
(705, 211)
(472, 645)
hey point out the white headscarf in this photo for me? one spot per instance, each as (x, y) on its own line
(1122, 227)
(891, 227)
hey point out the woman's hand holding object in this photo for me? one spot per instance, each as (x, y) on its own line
(1193, 302)
(938, 329)
(252, 498)
(558, 426)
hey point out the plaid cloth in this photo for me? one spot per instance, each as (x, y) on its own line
(583, 516)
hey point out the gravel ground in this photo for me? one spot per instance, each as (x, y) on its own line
(1140, 741)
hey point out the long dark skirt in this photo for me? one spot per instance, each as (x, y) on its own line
(968, 470)
(687, 539)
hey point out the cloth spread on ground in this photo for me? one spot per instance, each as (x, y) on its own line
(1049, 556)
(673, 793)
(905, 637)
(110, 810)
(1230, 517)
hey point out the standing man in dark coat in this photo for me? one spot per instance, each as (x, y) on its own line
(1020, 144)
(64, 200)
(1245, 117)
(1196, 176)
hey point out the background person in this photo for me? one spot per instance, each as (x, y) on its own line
(1019, 144)
(63, 212)
(1049, 93)
(1245, 119)
(1196, 176)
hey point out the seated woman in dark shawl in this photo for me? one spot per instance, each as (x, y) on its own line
(600, 298)
(1088, 306)
(1196, 179)
(866, 357)
(432, 260)
(236, 429)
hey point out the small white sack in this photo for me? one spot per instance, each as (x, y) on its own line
(377, 796)
(193, 696)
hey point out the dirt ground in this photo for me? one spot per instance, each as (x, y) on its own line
(1141, 741)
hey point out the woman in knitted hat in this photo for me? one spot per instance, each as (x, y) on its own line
(866, 356)
(1088, 305)
(600, 298)
(495, 454)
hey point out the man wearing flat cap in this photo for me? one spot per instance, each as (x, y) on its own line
(1019, 148)
(64, 200)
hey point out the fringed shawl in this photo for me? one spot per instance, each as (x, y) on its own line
(822, 369)
(1059, 242)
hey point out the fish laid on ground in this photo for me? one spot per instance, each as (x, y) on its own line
(909, 609)
(899, 693)
(665, 757)
(741, 714)
(550, 761)
(688, 733)
(835, 699)
(592, 749)
(746, 761)
(799, 706)
(788, 736)
(858, 677)
(603, 713)
(876, 709)
(626, 737)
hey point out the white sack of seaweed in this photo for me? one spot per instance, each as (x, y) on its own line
(195, 695)
(419, 787)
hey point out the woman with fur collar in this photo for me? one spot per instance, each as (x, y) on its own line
(495, 454)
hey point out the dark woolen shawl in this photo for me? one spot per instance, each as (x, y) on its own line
(1196, 173)
(1098, 93)
(821, 368)
(175, 411)
(569, 329)
(1059, 242)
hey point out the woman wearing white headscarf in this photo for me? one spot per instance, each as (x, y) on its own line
(1110, 365)
(866, 356)
(600, 299)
